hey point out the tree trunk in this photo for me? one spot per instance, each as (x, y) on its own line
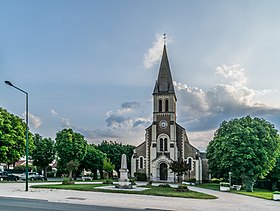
(274, 185)
(101, 173)
(45, 173)
(179, 177)
(70, 175)
(94, 172)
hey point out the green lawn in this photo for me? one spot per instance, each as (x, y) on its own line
(153, 190)
(260, 193)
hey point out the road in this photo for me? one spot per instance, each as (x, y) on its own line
(225, 201)
(20, 204)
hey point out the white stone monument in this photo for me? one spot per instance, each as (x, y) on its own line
(123, 181)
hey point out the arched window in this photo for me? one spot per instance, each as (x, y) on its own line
(165, 144)
(161, 144)
(166, 105)
(141, 164)
(160, 105)
(190, 163)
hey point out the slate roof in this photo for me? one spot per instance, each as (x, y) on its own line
(141, 150)
(164, 83)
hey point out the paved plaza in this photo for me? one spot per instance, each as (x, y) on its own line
(225, 201)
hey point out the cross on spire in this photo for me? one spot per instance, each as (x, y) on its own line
(164, 38)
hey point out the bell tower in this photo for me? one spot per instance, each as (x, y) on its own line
(162, 146)
(164, 97)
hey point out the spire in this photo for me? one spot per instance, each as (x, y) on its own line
(164, 83)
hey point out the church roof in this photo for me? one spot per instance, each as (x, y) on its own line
(164, 83)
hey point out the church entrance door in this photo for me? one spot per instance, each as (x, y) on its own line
(163, 171)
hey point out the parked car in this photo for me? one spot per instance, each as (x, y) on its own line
(32, 176)
(4, 175)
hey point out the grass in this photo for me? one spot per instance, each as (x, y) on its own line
(259, 193)
(153, 190)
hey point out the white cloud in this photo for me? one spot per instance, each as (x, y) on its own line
(35, 121)
(201, 139)
(123, 125)
(126, 116)
(205, 109)
(154, 53)
(65, 122)
(232, 75)
(54, 112)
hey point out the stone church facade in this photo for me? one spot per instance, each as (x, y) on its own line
(165, 140)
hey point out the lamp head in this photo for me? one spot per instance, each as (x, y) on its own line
(9, 83)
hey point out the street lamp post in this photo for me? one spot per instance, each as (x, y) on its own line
(26, 119)
(229, 178)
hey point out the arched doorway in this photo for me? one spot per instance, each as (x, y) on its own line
(163, 171)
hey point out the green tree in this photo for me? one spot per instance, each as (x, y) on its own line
(108, 167)
(274, 175)
(114, 152)
(180, 167)
(70, 146)
(43, 153)
(93, 160)
(12, 138)
(247, 147)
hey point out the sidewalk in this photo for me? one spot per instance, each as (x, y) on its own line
(226, 201)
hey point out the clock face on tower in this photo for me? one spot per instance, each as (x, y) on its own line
(163, 124)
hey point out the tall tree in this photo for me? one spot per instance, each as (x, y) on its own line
(247, 147)
(12, 137)
(43, 153)
(108, 167)
(70, 146)
(114, 152)
(93, 160)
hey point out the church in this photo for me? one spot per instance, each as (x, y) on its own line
(165, 140)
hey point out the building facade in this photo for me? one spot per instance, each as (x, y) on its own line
(165, 140)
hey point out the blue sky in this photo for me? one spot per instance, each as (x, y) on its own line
(91, 65)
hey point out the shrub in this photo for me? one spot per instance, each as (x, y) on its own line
(216, 180)
(140, 176)
(108, 181)
(132, 181)
(50, 174)
(182, 188)
(67, 181)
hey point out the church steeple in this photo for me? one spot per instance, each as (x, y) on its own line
(164, 83)
(164, 92)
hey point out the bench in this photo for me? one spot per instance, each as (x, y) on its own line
(84, 178)
(236, 187)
